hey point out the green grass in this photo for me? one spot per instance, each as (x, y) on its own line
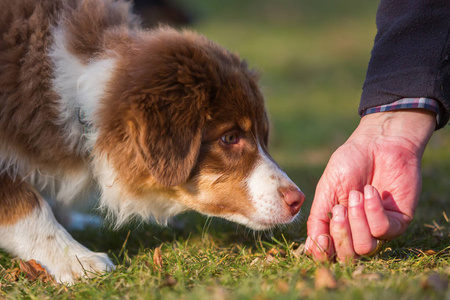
(312, 56)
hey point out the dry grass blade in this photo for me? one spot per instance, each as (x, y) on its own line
(445, 217)
(277, 252)
(157, 259)
(300, 251)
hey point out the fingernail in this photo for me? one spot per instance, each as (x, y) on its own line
(368, 192)
(339, 213)
(324, 242)
(354, 199)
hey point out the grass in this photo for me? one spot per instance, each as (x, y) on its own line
(312, 56)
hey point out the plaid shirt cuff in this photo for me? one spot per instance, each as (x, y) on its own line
(406, 103)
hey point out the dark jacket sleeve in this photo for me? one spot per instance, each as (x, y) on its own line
(411, 55)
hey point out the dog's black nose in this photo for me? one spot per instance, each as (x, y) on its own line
(294, 198)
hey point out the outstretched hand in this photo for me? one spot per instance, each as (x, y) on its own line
(371, 185)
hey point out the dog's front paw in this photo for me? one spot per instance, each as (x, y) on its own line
(83, 265)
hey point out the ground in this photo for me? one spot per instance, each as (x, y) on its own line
(312, 56)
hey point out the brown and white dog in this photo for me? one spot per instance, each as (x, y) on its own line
(161, 121)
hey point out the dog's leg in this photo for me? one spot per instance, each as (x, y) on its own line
(29, 230)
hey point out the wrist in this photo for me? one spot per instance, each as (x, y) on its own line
(410, 127)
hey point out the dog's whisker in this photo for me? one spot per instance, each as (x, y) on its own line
(206, 226)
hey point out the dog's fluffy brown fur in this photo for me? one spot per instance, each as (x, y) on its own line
(162, 121)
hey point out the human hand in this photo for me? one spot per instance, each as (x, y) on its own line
(371, 185)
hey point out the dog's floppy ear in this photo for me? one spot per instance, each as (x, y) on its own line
(166, 128)
(174, 79)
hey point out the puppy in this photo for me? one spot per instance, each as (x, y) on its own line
(160, 121)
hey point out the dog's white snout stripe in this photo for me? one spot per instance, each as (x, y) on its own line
(264, 185)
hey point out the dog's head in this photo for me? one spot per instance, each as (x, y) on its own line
(185, 117)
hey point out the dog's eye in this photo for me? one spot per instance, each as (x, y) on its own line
(230, 139)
